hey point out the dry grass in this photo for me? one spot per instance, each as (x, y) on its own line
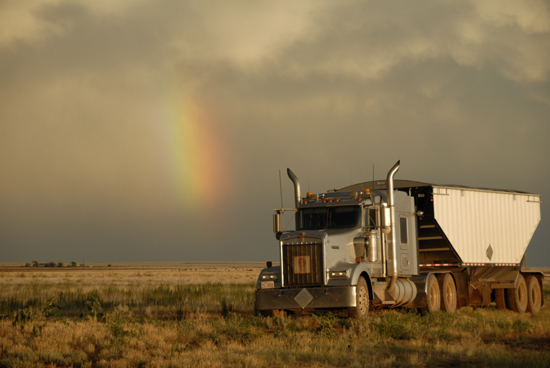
(159, 318)
(146, 292)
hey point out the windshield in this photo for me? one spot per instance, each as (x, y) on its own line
(340, 217)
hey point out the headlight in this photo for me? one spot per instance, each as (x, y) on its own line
(270, 276)
(339, 275)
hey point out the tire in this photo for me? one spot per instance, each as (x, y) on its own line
(500, 299)
(448, 292)
(518, 298)
(362, 302)
(534, 295)
(433, 295)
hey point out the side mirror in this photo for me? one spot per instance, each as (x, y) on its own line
(277, 222)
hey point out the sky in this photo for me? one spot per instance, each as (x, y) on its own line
(141, 130)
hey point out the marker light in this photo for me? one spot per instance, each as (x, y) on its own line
(304, 201)
(339, 275)
(270, 276)
(330, 199)
(309, 194)
(366, 191)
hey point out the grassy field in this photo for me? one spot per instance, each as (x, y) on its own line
(203, 316)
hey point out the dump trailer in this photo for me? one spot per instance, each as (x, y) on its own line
(399, 243)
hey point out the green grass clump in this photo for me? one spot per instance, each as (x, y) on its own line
(161, 300)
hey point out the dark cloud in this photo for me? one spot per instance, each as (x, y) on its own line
(458, 92)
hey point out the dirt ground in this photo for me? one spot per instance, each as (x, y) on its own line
(144, 265)
(124, 272)
(189, 272)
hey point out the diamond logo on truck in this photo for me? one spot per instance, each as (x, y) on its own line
(489, 252)
(303, 298)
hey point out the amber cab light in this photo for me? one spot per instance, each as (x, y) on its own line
(309, 194)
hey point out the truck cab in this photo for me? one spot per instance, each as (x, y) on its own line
(342, 241)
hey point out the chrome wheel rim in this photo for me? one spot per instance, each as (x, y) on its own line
(433, 296)
(449, 294)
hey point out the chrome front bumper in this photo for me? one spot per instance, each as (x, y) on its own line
(301, 298)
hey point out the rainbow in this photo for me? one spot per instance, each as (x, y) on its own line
(198, 156)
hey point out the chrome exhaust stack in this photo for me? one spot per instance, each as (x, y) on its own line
(294, 179)
(297, 197)
(392, 251)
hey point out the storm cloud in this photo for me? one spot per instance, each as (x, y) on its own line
(155, 130)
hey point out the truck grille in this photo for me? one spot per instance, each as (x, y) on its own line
(303, 264)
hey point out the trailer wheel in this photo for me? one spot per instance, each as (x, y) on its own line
(448, 292)
(433, 295)
(500, 299)
(517, 298)
(534, 297)
(361, 310)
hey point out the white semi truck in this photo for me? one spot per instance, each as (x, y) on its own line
(398, 243)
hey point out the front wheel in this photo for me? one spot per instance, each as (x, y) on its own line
(361, 309)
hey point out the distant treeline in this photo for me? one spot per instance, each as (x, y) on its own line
(54, 264)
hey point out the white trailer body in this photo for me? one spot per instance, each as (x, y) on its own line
(487, 226)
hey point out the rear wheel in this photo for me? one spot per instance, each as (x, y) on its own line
(500, 299)
(361, 310)
(534, 295)
(448, 292)
(433, 296)
(517, 298)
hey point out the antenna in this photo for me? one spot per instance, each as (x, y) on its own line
(281, 188)
(372, 176)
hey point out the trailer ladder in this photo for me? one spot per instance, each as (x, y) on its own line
(433, 245)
